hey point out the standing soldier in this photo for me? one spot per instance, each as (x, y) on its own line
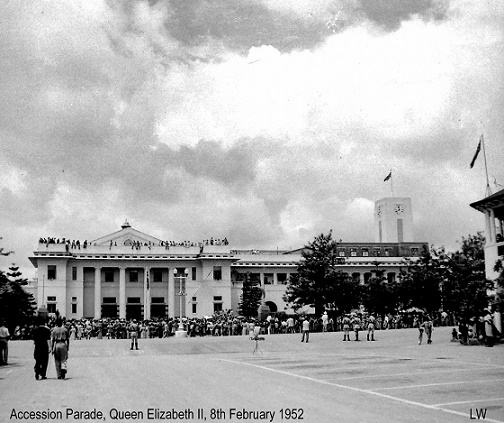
(133, 331)
(60, 344)
(41, 336)
(346, 328)
(356, 323)
(371, 327)
(4, 343)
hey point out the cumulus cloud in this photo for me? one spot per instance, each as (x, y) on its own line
(267, 122)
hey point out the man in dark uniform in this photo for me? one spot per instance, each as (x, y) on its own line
(4, 342)
(41, 336)
(59, 347)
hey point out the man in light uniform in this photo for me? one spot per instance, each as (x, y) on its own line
(60, 344)
(306, 329)
(371, 327)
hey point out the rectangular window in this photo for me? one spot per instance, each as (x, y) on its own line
(51, 299)
(109, 275)
(268, 279)
(133, 275)
(74, 273)
(74, 308)
(109, 300)
(133, 300)
(353, 252)
(282, 278)
(377, 252)
(51, 308)
(157, 276)
(51, 272)
(193, 271)
(341, 252)
(157, 300)
(74, 299)
(217, 273)
(365, 252)
(194, 307)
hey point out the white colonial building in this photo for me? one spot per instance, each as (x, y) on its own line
(130, 274)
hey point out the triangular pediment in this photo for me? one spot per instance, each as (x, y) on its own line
(127, 236)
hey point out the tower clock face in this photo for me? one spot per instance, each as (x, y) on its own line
(399, 208)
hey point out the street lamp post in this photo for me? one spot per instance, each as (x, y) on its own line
(181, 332)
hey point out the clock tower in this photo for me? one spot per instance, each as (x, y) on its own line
(393, 220)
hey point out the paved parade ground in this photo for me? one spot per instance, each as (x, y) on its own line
(220, 379)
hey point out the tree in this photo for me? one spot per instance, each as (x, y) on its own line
(452, 282)
(251, 296)
(379, 296)
(420, 283)
(466, 288)
(499, 298)
(17, 307)
(318, 282)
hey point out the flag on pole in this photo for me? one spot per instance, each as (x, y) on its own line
(477, 152)
(388, 177)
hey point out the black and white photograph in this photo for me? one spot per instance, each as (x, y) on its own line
(246, 211)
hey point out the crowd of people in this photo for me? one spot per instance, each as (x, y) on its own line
(77, 244)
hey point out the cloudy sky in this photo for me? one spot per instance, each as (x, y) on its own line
(265, 121)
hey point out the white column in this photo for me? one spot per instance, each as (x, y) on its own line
(147, 282)
(275, 279)
(122, 293)
(171, 294)
(487, 228)
(97, 293)
(492, 226)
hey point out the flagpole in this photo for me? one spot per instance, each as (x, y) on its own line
(488, 189)
(392, 182)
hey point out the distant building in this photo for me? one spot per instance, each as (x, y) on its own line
(493, 209)
(130, 274)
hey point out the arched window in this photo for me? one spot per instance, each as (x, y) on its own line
(272, 306)
(128, 242)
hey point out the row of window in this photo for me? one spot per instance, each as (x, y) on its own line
(376, 252)
(133, 301)
(157, 274)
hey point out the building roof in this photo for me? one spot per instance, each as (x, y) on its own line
(494, 201)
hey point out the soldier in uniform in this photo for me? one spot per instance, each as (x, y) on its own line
(371, 327)
(346, 328)
(356, 323)
(60, 344)
(133, 331)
